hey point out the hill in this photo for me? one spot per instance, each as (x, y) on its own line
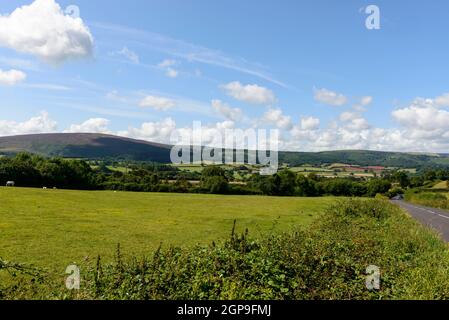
(101, 146)
(85, 145)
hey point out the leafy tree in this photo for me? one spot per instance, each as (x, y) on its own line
(402, 178)
(376, 186)
(305, 187)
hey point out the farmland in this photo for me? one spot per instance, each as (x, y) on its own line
(53, 228)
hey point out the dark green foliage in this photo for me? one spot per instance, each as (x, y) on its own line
(213, 180)
(376, 186)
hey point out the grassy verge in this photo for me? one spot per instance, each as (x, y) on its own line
(325, 261)
(428, 199)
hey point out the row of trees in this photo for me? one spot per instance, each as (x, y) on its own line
(34, 171)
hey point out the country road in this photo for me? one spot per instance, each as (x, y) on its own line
(436, 218)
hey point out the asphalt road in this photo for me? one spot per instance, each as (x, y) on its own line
(436, 218)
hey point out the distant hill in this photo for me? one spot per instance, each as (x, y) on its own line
(101, 146)
(366, 158)
(86, 145)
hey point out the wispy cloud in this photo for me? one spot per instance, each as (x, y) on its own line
(188, 51)
(47, 86)
(19, 63)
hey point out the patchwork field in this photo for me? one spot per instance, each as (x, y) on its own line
(54, 228)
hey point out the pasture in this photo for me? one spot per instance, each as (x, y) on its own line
(54, 228)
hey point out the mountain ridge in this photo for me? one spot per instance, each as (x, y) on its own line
(101, 146)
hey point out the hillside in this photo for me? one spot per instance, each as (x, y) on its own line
(85, 145)
(100, 146)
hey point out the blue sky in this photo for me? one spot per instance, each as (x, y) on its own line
(309, 68)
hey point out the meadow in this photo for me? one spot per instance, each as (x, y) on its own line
(54, 228)
(326, 260)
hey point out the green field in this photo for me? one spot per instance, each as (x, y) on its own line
(441, 185)
(54, 228)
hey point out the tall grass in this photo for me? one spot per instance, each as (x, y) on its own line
(429, 199)
(326, 261)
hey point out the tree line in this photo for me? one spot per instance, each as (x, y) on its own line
(28, 170)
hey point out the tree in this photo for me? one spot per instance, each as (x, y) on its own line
(402, 178)
(305, 187)
(287, 183)
(376, 186)
(216, 185)
(213, 179)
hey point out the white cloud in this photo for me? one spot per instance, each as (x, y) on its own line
(310, 123)
(189, 51)
(276, 117)
(348, 116)
(367, 100)
(443, 100)
(424, 115)
(11, 77)
(42, 29)
(167, 63)
(234, 114)
(94, 125)
(157, 103)
(47, 86)
(253, 94)
(358, 124)
(152, 131)
(130, 55)
(172, 73)
(115, 96)
(363, 103)
(39, 124)
(331, 98)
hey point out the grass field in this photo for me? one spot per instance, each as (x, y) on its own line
(440, 185)
(54, 228)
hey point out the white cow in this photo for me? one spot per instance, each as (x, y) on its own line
(10, 184)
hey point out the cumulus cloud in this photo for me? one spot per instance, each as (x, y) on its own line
(152, 131)
(329, 97)
(443, 100)
(423, 127)
(310, 123)
(39, 124)
(252, 93)
(94, 125)
(363, 103)
(42, 29)
(275, 116)
(11, 77)
(423, 116)
(234, 114)
(348, 116)
(157, 103)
